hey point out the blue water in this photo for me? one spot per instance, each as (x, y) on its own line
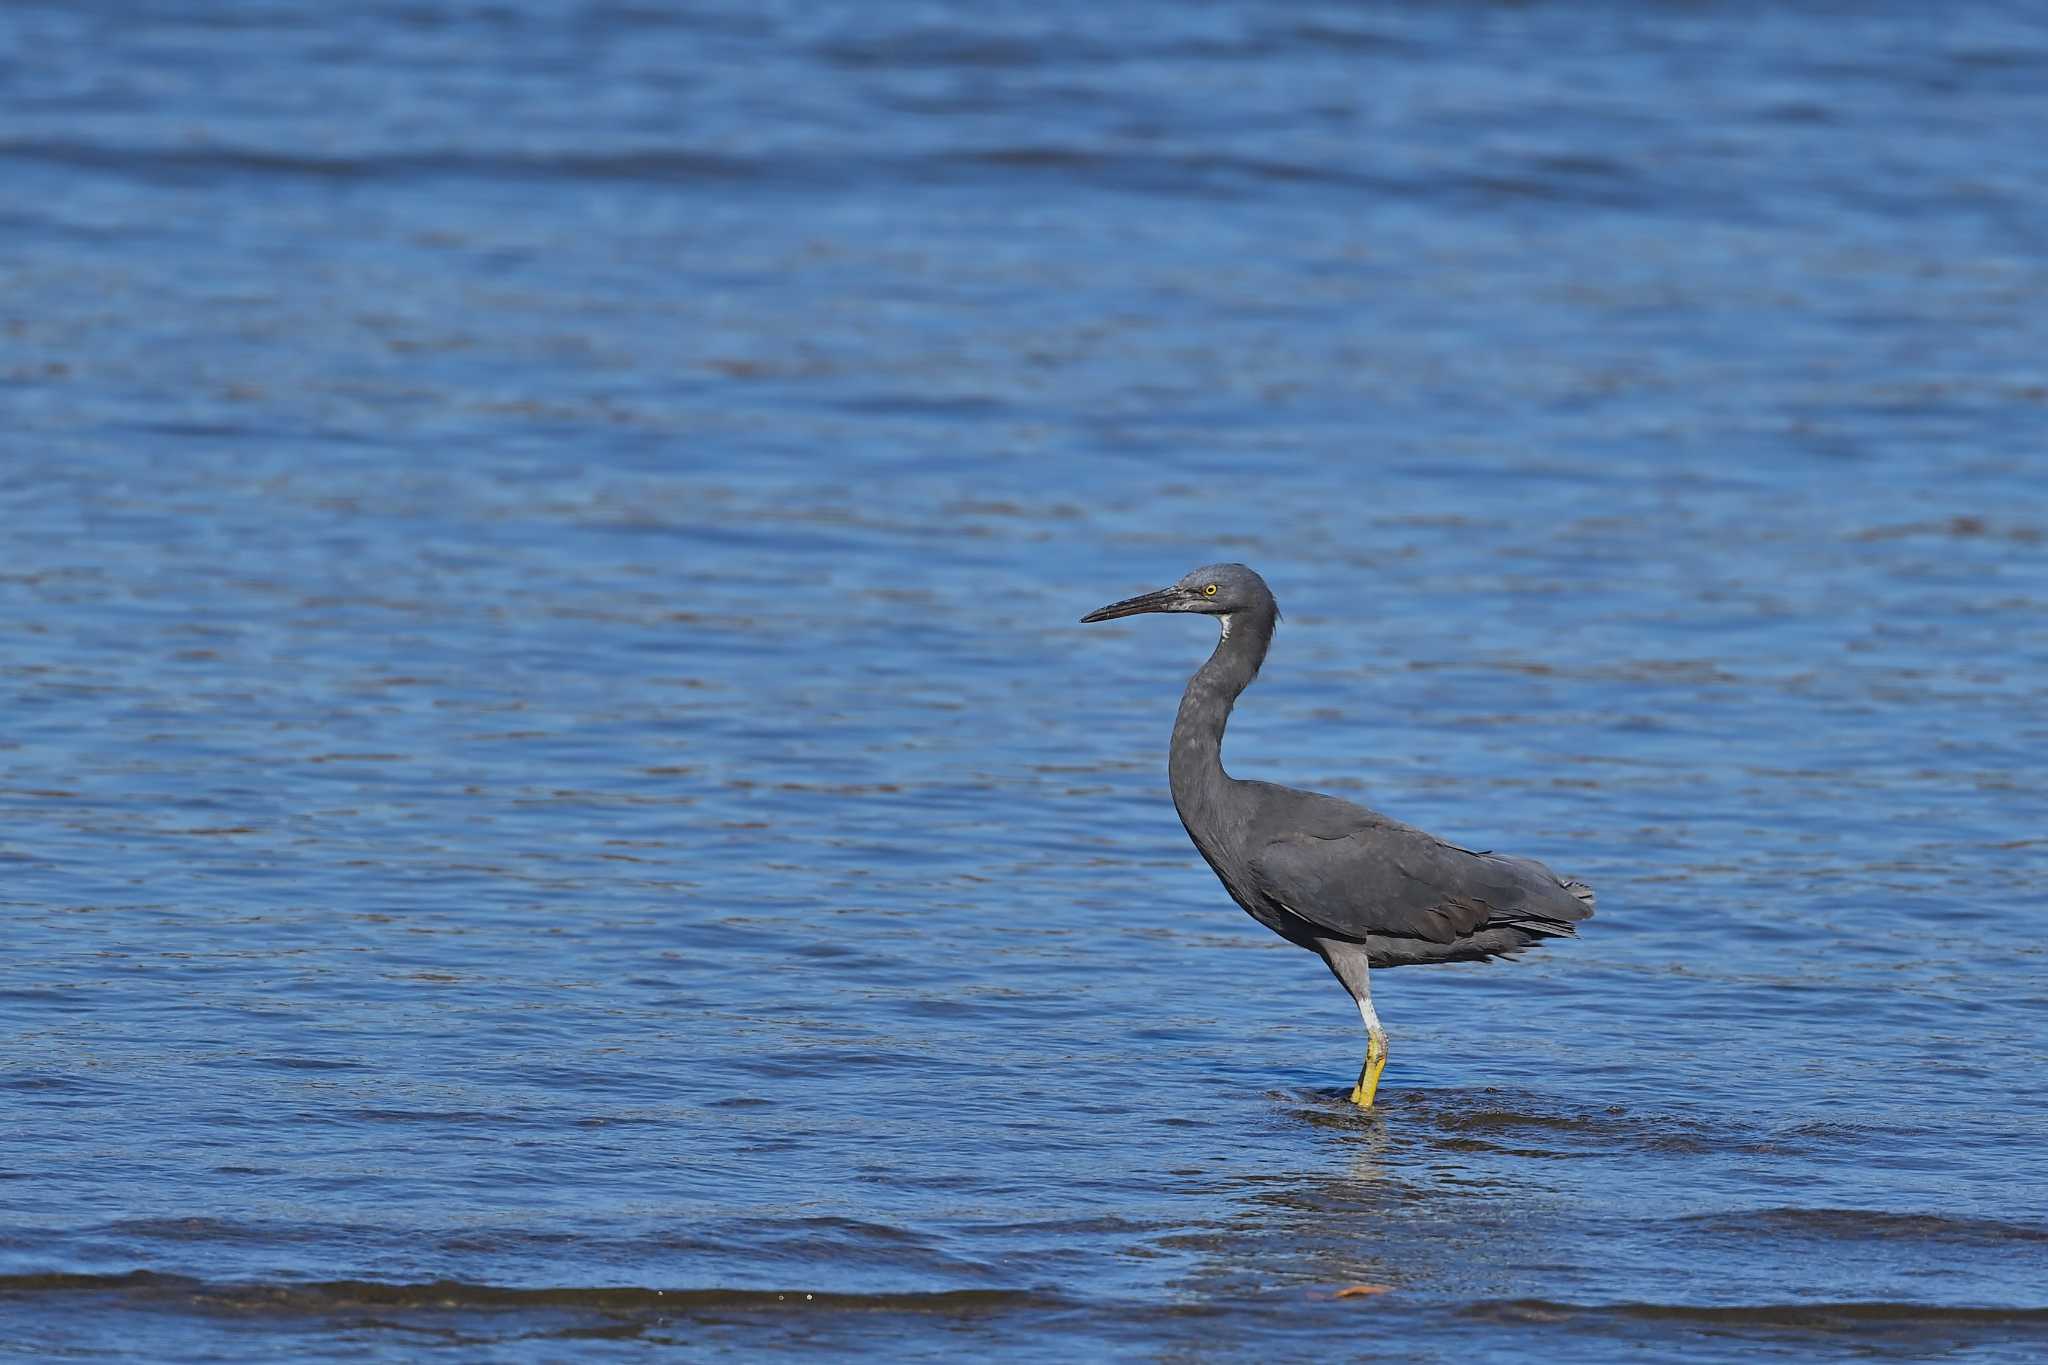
(553, 802)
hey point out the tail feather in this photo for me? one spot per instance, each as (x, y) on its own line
(1557, 919)
(1506, 934)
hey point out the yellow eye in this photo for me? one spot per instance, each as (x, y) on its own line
(1209, 591)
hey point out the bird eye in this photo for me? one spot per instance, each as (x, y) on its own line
(1209, 591)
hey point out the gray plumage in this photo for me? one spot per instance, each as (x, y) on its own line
(1355, 887)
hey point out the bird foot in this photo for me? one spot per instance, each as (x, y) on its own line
(1369, 1074)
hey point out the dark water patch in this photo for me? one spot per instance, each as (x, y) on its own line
(52, 1083)
(1156, 173)
(194, 1229)
(1537, 1126)
(963, 47)
(1876, 1328)
(198, 166)
(438, 1119)
(1848, 1225)
(311, 1063)
(1960, 527)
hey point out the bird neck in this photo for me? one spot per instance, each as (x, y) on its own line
(1194, 767)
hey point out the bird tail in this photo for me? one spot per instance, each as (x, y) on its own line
(1582, 892)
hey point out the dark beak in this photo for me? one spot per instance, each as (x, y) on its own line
(1163, 600)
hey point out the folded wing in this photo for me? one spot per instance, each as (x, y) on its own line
(1410, 897)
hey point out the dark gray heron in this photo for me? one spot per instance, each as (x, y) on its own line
(1350, 885)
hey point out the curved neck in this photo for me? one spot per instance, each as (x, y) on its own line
(1194, 766)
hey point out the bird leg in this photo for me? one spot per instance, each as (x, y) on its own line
(1375, 1058)
(1348, 960)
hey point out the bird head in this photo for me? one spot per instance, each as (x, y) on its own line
(1213, 590)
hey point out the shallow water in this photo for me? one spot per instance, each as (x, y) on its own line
(555, 804)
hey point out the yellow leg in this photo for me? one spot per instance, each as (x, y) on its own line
(1369, 1074)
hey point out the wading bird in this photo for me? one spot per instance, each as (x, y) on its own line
(1352, 886)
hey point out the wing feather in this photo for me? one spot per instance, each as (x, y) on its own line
(1388, 880)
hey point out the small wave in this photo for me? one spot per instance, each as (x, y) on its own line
(202, 161)
(1960, 527)
(141, 1287)
(1863, 1224)
(1538, 1126)
(1815, 1317)
(1162, 173)
(1154, 172)
(950, 49)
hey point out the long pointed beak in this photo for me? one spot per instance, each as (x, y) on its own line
(1163, 600)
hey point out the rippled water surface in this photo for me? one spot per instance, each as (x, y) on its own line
(553, 802)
